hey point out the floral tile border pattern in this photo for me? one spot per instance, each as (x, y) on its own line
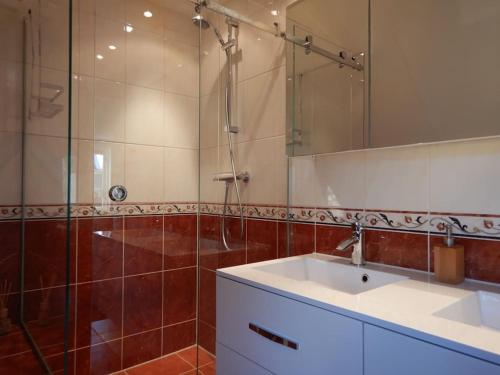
(475, 225)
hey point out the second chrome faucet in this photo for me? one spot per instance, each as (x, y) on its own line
(357, 243)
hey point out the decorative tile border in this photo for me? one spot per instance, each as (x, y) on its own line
(473, 225)
(10, 212)
(405, 220)
(338, 216)
(85, 210)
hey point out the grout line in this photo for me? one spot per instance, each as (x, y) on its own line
(185, 360)
(75, 320)
(162, 283)
(123, 291)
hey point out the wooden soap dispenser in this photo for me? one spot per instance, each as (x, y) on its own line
(449, 260)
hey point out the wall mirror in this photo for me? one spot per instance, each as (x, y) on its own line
(379, 73)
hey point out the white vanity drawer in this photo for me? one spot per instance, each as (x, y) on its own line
(390, 353)
(313, 341)
(231, 363)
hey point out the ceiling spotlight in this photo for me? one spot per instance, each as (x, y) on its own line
(99, 56)
(148, 14)
(112, 47)
(128, 28)
(275, 12)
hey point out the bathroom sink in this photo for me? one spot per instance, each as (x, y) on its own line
(330, 274)
(478, 309)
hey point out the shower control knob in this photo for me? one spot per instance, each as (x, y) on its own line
(118, 193)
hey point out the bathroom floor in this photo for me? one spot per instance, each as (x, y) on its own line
(182, 362)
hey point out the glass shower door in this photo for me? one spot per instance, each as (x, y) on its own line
(137, 182)
(48, 184)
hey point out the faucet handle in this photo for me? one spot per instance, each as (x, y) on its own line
(357, 227)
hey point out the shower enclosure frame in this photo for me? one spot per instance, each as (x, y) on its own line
(67, 204)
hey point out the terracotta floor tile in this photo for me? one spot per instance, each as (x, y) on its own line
(170, 365)
(190, 355)
(208, 369)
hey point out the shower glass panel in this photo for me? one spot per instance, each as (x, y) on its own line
(48, 187)
(138, 90)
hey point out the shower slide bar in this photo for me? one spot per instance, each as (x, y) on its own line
(307, 43)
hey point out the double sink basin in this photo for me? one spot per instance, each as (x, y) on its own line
(478, 308)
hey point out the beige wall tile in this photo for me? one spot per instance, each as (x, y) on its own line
(112, 64)
(465, 176)
(341, 180)
(10, 168)
(181, 175)
(145, 59)
(144, 173)
(181, 121)
(109, 111)
(46, 170)
(144, 116)
(109, 169)
(181, 68)
(135, 15)
(397, 178)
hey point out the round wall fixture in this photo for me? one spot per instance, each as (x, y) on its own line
(118, 193)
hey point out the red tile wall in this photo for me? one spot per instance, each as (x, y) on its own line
(15, 353)
(411, 250)
(133, 289)
(134, 279)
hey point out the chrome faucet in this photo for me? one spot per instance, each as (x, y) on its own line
(357, 243)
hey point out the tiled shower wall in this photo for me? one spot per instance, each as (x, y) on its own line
(11, 68)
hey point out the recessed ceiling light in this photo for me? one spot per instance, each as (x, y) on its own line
(99, 56)
(274, 12)
(148, 14)
(128, 28)
(112, 47)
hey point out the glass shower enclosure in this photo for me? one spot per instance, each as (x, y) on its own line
(113, 126)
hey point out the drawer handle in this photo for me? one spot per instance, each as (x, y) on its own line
(271, 336)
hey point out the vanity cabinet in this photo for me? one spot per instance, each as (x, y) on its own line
(260, 332)
(282, 335)
(390, 353)
(230, 362)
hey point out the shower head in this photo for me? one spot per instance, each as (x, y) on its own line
(199, 21)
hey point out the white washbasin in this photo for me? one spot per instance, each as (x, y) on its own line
(345, 278)
(478, 309)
